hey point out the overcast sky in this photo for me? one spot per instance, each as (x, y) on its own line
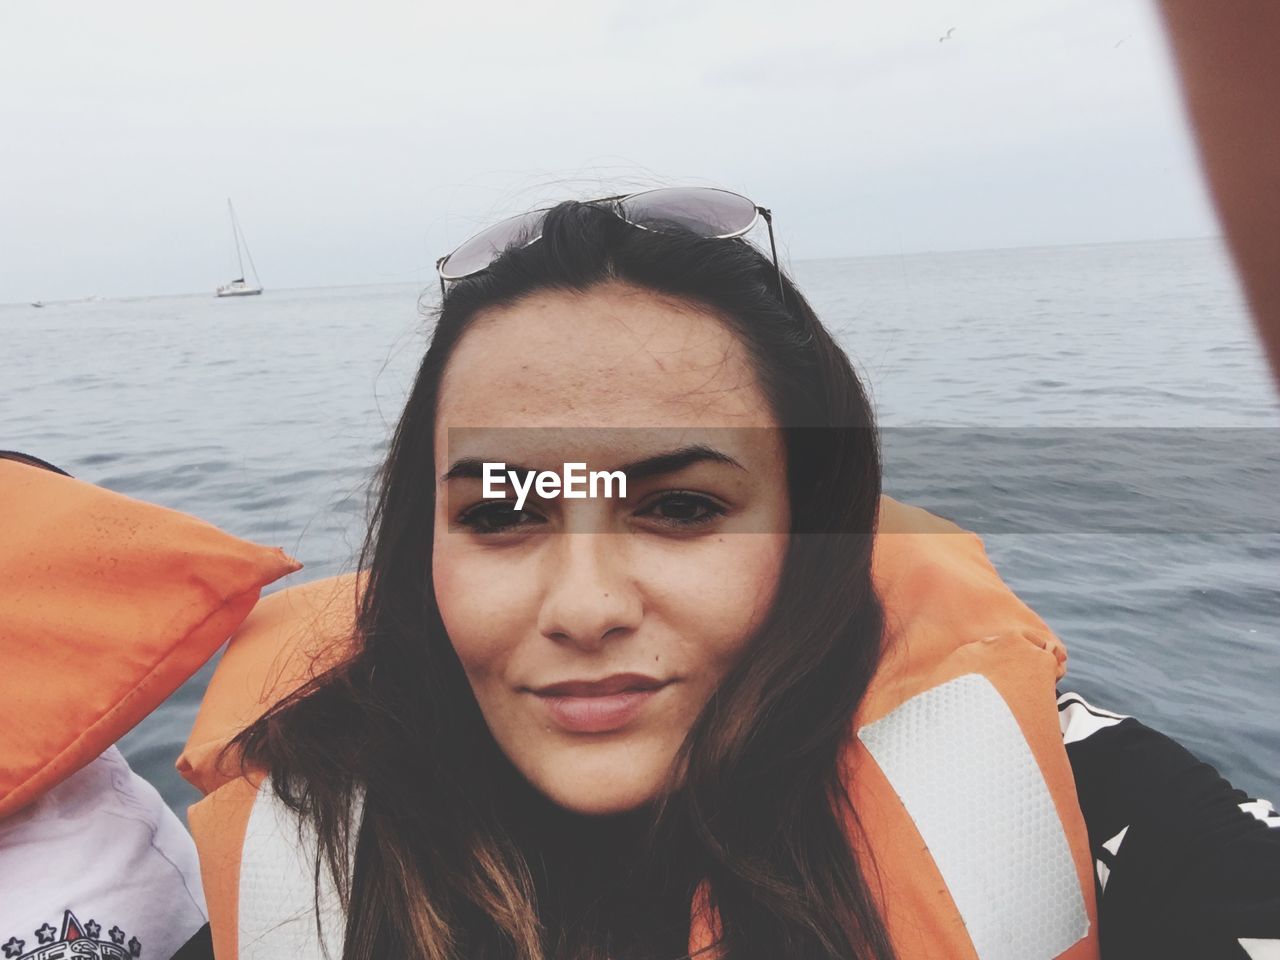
(361, 141)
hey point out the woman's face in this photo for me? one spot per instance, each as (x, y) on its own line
(594, 630)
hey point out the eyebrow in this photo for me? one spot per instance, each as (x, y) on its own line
(656, 465)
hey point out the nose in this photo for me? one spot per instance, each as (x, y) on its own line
(590, 597)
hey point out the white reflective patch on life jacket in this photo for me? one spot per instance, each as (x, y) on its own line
(957, 758)
(277, 906)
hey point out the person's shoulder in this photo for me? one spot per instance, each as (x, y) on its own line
(99, 857)
(1186, 864)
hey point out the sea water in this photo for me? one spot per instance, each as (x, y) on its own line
(1101, 414)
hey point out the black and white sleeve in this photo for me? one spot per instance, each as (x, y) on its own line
(1186, 866)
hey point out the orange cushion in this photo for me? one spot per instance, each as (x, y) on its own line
(107, 604)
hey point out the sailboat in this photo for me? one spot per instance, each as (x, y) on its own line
(240, 287)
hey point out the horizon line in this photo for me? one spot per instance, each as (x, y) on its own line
(825, 259)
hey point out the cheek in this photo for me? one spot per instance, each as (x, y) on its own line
(714, 596)
(483, 603)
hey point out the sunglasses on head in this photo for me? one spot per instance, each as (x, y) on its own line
(706, 212)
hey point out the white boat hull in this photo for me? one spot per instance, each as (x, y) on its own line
(238, 289)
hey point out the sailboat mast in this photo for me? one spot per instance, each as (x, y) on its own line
(235, 235)
(248, 253)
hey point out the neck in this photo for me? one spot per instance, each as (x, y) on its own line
(542, 826)
(605, 881)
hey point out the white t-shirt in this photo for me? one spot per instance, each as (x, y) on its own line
(98, 867)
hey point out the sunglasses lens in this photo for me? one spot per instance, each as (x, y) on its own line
(705, 211)
(487, 245)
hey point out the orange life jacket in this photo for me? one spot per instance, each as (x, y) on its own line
(971, 836)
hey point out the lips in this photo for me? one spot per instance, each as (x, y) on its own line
(617, 683)
(599, 706)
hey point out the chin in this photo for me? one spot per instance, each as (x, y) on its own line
(602, 790)
(596, 800)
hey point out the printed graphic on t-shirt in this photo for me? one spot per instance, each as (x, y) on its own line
(75, 941)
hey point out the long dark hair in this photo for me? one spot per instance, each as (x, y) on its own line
(456, 856)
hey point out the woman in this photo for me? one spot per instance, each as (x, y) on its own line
(567, 721)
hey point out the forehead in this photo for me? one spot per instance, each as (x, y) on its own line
(613, 356)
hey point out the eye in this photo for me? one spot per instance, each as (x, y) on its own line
(497, 516)
(680, 508)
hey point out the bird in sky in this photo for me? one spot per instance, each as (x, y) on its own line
(947, 35)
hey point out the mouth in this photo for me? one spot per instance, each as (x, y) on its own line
(599, 706)
(604, 687)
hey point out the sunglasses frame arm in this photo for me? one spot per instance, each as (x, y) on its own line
(767, 214)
